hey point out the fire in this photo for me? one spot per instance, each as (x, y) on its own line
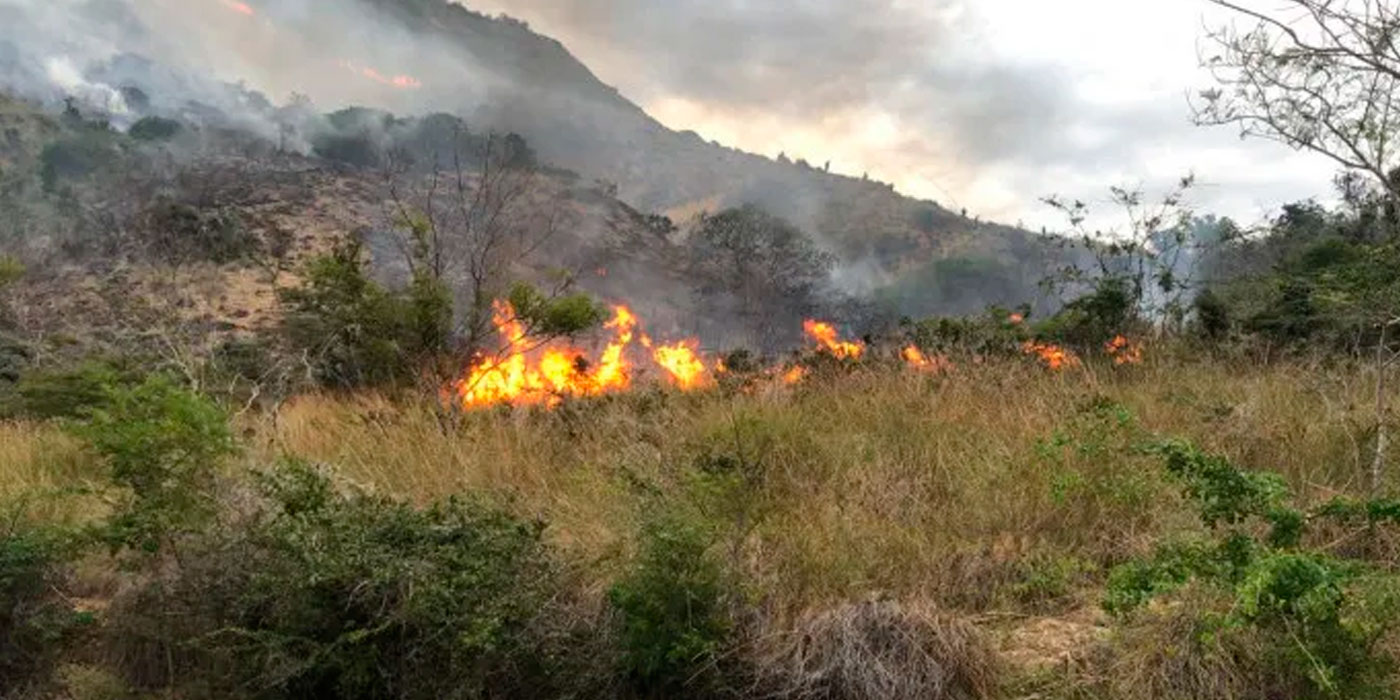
(239, 7)
(682, 362)
(403, 82)
(1124, 351)
(795, 375)
(1054, 356)
(916, 359)
(825, 334)
(522, 375)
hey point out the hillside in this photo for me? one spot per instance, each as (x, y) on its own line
(580, 123)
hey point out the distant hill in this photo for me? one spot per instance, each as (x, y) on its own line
(580, 123)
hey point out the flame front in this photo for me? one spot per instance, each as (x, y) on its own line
(546, 375)
(402, 82)
(795, 375)
(683, 364)
(1055, 357)
(916, 359)
(1124, 351)
(825, 334)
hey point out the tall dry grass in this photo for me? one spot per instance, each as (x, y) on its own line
(994, 491)
(921, 487)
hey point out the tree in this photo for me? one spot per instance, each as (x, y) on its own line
(767, 268)
(469, 218)
(1151, 261)
(1320, 76)
(1315, 75)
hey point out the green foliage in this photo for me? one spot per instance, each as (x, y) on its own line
(11, 270)
(555, 316)
(34, 621)
(352, 330)
(1212, 315)
(74, 392)
(1095, 318)
(155, 129)
(764, 268)
(162, 444)
(333, 593)
(1323, 615)
(998, 332)
(951, 286)
(76, 156)
(671, 603)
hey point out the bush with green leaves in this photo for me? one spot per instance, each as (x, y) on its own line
(161, 444)
(155, 129)
(334, 592)
(35, 621)
(352, 330)
(671, 603)
(1325, 615)
(65, 392)
(1093, 319)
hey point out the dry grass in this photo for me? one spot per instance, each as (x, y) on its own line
(920, 487)
(933, 491)
(878, 650)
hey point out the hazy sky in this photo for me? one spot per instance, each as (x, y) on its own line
(984, 104)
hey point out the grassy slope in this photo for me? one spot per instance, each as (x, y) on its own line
(927, 490)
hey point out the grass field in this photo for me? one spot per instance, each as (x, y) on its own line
(1000, 492)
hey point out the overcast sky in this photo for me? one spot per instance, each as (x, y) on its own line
(983, 104)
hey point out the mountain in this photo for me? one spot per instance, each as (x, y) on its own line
(580, 123)
(162, 139)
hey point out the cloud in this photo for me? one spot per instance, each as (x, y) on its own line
(989, 104)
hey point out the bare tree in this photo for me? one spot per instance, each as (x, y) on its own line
(469, 218)
(1315, 75)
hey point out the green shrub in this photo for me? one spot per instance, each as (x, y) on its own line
(1322, 615)
(75, 157)
(161, 443)
(671, 604)
(155, 129)
(352, 330)
(1093, 319)
(34, 621)
(327, 593)
(64, 393)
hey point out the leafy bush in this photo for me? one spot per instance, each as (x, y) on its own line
(161, 443)
(353, 331)
(672, 603)
(64, 393)
(1323, 615)
(329, 593)
(75, 156)
(1093, 319)
(34, 621)
(155, 129)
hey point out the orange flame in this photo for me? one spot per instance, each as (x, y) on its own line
(558, 373)
(916, 359)
(795, 375)
(239, 7)
(682, 362)
(403, 82)
(1055, 357)
(1124, 351)
(825, 334)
